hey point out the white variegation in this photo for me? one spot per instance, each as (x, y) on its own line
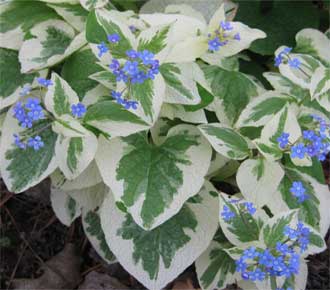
(82, 157)
(320, 87)
(205, 213)
(31, 53)
(314, 42)
(176, 111)
(93, 4)
(64, 206)
(258, 180)
(193, 173)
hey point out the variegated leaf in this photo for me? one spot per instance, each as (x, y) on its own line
(22, 169)
(53, 41)
(226, 141)
(93, 4)
(258, 180)
(153, 257)
(320, 87)
(182, 162)
(262, 108)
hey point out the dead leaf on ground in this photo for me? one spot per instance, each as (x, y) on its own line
(100, 281)
(60, 272)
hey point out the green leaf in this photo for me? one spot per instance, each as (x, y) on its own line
(9, 71)
(155, 257)
(215, 268)
(206, 99)
(276, 20)
(113, 119)
(94, 232)
(77, 69)
(233, 89)
(183, 154)
(226, 141)
(21, 169)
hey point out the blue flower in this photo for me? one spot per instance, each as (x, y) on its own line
(245, 275)
(132, 28)
(132, 53)
(240, 265)
(225, 25)
(18, 142)
(35, 110)
(44, 82)
(266, 258)
(250, 253)
(250, 207)
(298, 151)
(113, 38)
(259, 274)
(298, 190)
(35, 142)
(294, 263)
(26, 90)
(26, 122)
(147, 57)
(134, 105)
(120, 76)
(131, 67)
(227, 214)
(214, 44)
(278, 264)
(279, 58)
(291, 233)
(139, 78)
(283, 248)
(102, 49)
(116, 95)
(19, 112)
(283, 140)
(78, 110)
(237, 36)
(294, 63)
(114, 65)
(308, 134)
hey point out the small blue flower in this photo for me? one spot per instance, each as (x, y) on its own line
(132, 28)
(132, 53)
(78, 110)
(308, 134)
(245, 275)
(266, 258)
(44, 82)
(227, 214)
(120, 75)
(278, 264)
(131, 67)
(102, 49)
(36, 143)
(214, 44)
(113, 38)
(139, 78)
(19, 112)
(298, 151)
(116, 95)
(147, 57)
(250, 207)
(26, 90)
(283, 140)
(259, 274)
(291, 233)
(114, 65)
(237, 36)
(250, 253)
(298, 191)
(134, 105)
(225, 25)
(279, 58)
(283, 248)
(240, 265)
(294, 63)
(35, 110)
(26, 122)
(18, 142)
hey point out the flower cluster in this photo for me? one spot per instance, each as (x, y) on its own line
(227, 214)
(257, 264)
(44, 82)
(78, 110)
(284, 57)
(126, 103)
(222, 36)
(139, 67)
(314, 143)
(298, 190)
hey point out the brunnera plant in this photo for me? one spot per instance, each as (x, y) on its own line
(136, 118)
